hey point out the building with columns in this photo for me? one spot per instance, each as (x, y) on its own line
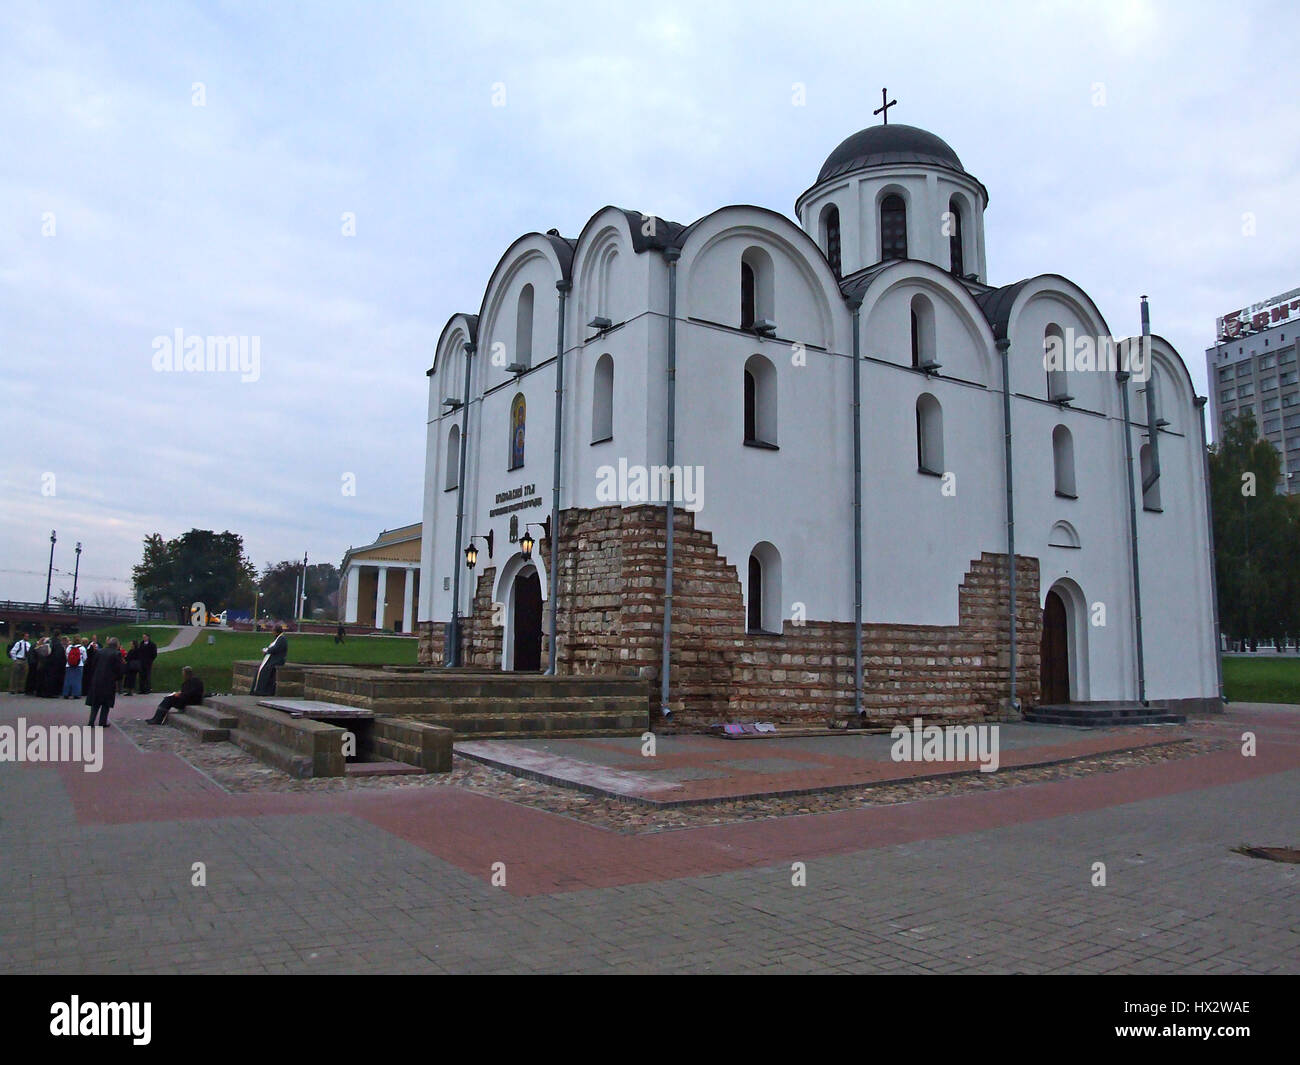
(820, 466)
(379, 584)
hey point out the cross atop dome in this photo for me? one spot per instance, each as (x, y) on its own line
(885, 104)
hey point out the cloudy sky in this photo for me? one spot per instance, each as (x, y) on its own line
(189, 166)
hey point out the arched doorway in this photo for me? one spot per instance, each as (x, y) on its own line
(527, 635)
(1054, 660)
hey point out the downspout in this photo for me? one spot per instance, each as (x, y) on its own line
(1122, 376)
(671, 255)
(1209, 529)
(1153, 426)
(855, 305)
(563, 288)
(1004, 346)
(452, 655)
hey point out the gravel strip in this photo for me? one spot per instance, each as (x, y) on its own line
(237, 772)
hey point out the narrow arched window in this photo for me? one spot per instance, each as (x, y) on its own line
(1063, 462)
(831, 237)
(760, 402)
(524, 328)
(956, 258)
(747, 285)
(756, 288)
(602, 400)
(923, 345)
(929, 435)
(518, 417)
(451, 475)
(1056, 360)
(893, 227)
(763, 611)
(1151, 495)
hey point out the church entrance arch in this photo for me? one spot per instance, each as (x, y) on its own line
(525, 643)
(1063, 653)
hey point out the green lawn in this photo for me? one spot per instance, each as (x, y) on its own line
(126, 633)
(213, 662)
(1262, 680)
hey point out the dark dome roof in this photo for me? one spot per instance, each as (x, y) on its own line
(881, 145)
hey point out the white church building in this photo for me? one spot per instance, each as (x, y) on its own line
(862, 430)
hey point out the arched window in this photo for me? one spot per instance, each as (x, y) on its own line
(956, 260)
(1150, 496)
(451, 475)
(929, 435)
(831, 236)
(923, 353)
(524, 328)
(893, 227)
(755, 287)
(763, 590)
(518, 416)
(1063, 462)
(1056, 362)
(602, 400)
(760, 402)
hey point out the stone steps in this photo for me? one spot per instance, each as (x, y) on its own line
(295, 763)
(205, 724)
(1103, 715)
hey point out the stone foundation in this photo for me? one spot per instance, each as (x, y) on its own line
(611, 622)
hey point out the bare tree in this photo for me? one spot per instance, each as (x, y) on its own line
(105, 600)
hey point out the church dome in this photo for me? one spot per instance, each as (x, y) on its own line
(885, 144)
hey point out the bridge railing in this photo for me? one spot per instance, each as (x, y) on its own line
(117, 613)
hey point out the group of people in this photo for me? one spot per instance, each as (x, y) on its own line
(62, 667)
(68, 668)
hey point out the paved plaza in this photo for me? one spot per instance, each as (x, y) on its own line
(97, 873)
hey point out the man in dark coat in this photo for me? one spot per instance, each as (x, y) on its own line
(131, 669)
(101, 692)
(148, 652)
(276, 653)
(55, 665)
(40, 654)
(88, 672)
(191, 694)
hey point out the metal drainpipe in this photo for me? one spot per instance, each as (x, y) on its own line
(1209, 528)
(1153, 428)
(1122, 376)
(855, 305)
(671, 255)
(563, 288)
(1004, 346)
(452, 655)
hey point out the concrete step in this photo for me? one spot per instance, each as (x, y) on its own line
(1103, 715)
(297, 765)
(202, 730)
(213, 715)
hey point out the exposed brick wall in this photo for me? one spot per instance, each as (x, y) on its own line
(611, 621)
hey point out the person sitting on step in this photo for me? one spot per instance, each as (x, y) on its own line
(191, 694)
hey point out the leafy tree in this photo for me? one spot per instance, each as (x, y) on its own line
(200, 566)
(280, 581)
(1256, 537)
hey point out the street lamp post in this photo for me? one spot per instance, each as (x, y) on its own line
(75, 571)
(49, 573)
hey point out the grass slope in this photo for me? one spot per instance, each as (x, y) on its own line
(1262, 680)
(213, 661)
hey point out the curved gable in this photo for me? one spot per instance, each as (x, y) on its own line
(806, 294)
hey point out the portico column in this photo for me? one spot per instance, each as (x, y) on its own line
(381, 593)
(354, 586)
(408, 601)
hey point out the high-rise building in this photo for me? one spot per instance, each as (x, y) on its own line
(1252, 369)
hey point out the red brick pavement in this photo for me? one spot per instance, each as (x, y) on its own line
(546, 853)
